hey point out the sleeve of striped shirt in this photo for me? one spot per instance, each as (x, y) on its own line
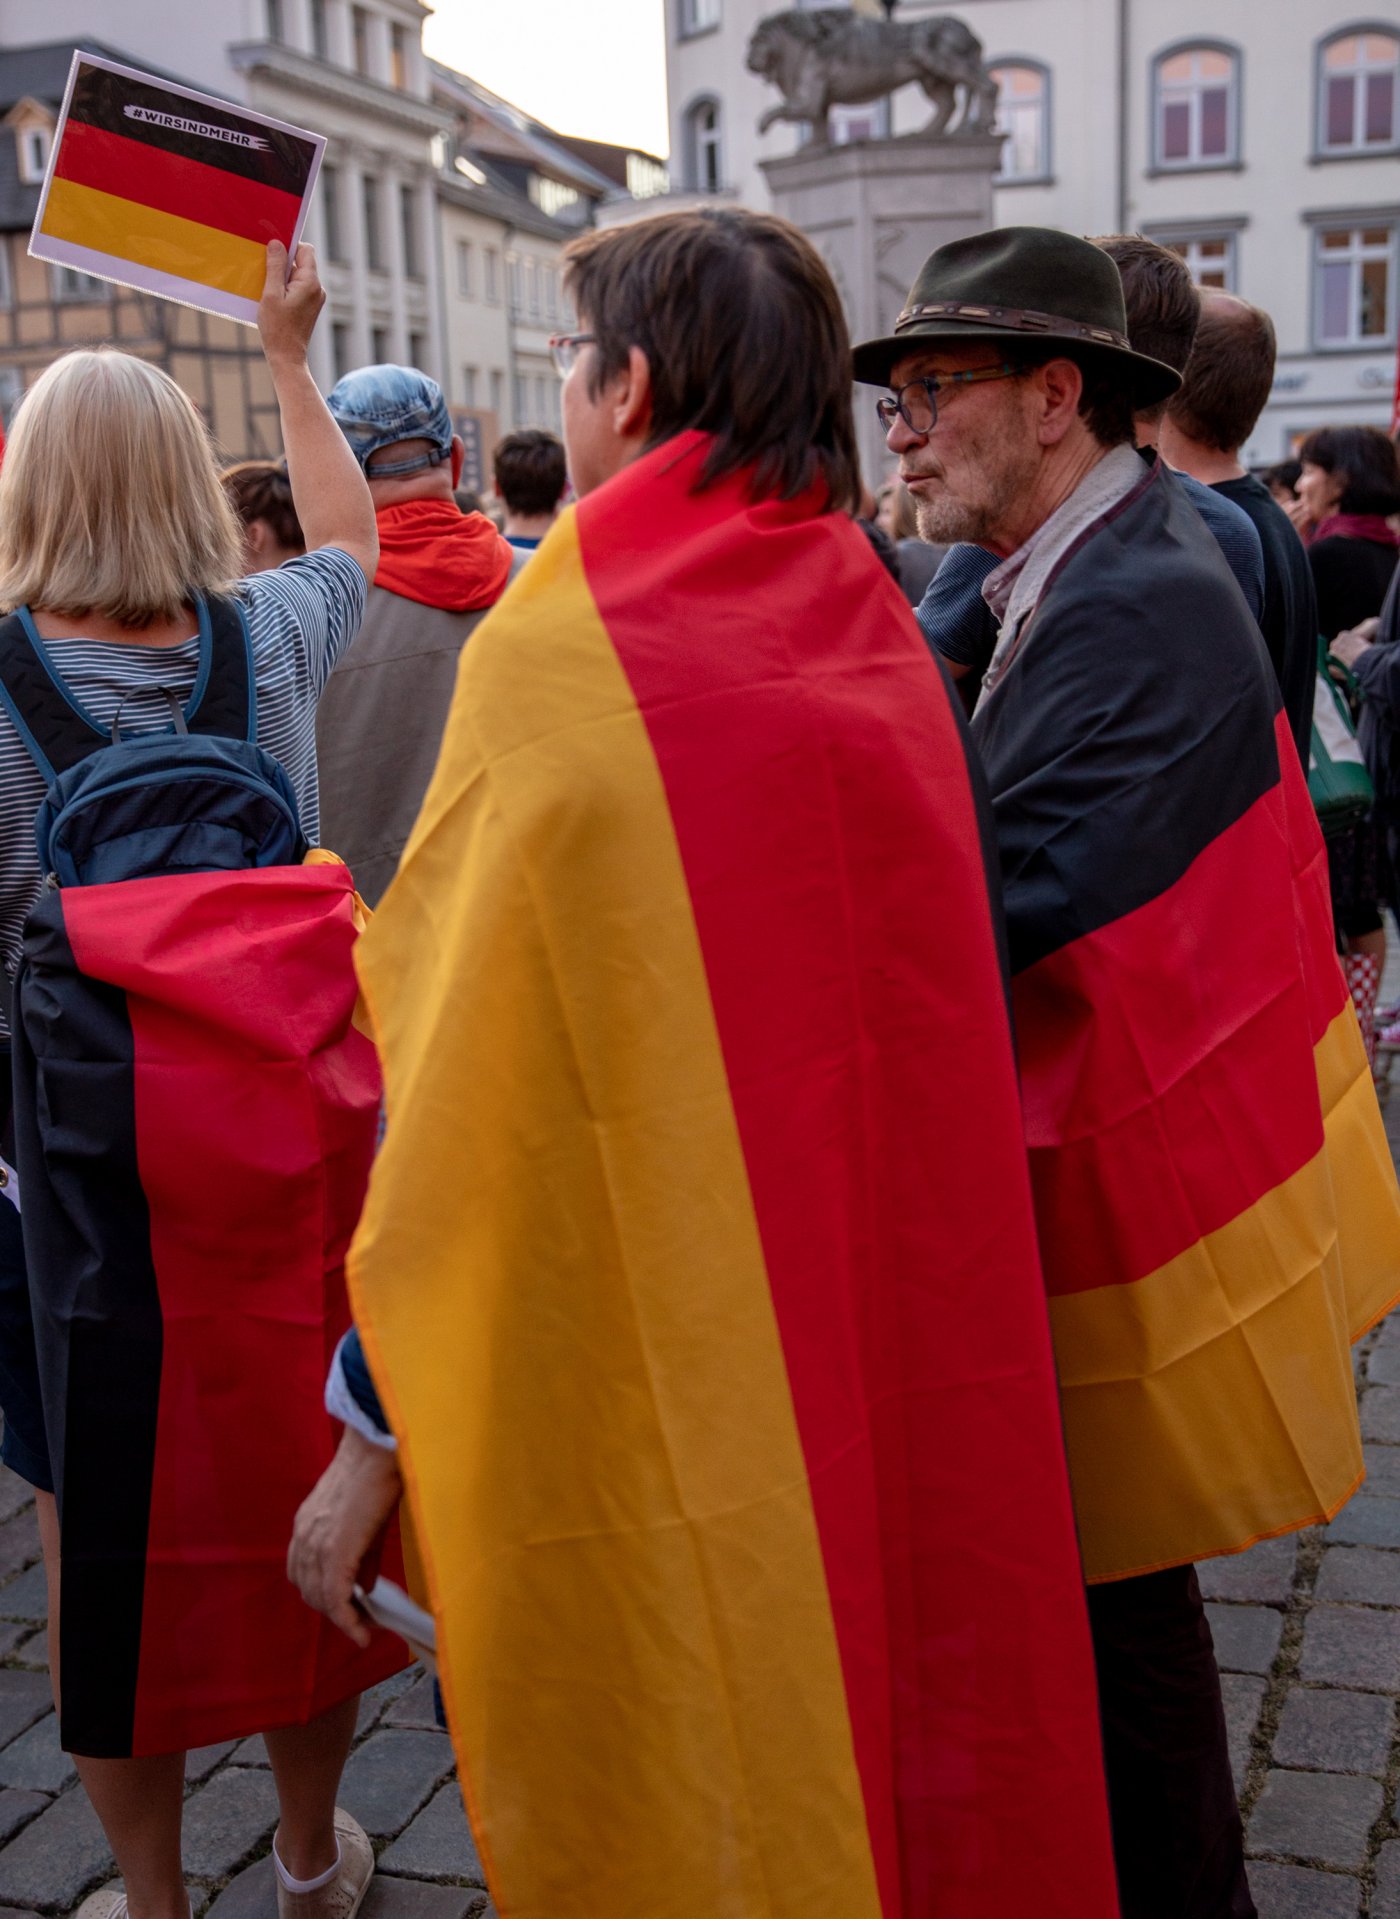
(316, 601)
(953, 616)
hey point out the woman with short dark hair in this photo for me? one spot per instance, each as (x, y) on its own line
(260, 493)
(1349, 487)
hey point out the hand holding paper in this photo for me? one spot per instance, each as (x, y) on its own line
(339, 1521)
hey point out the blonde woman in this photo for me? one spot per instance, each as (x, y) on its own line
(113, 529)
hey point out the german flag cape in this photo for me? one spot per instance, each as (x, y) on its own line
(195, 1118)
(1216, 1202)
(698, 1271)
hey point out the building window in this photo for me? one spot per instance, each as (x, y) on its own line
(320, 37)
(7, 291)
(398, 56)
(374, 246)
(522, 403)
(1210, 258)
(846, 125)
(330, 213)
(498, 391)
(33, 154)
(1196, 107)
(359, 35)
(379, 345)
(340, 348)
(491, 275)
(1023, 115)
(276, 26)
(704, 152)
(464, 268)
(646, 177)
(418, 351)
(469, 376)
(532, 289)
(1354, 286)
(513, 280)
(551, 196)
(698, 16)
(408, 223)
(70, 287)
(1359, 93)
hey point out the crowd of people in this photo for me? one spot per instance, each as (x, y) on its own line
(744, 1086)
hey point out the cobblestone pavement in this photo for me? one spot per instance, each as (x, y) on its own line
(1307, 1633)
(399, 1784)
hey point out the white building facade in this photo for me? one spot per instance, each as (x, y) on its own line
(1260, 138)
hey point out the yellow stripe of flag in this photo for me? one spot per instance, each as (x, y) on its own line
(161, 241)
(1205, 1406)
(638, 1648)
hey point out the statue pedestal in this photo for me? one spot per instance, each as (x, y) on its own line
(875, 210)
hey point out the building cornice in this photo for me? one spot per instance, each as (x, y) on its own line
(323, 81)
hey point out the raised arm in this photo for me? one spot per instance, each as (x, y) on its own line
(328, 488)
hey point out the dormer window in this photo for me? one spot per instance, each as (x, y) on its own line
(33, 154)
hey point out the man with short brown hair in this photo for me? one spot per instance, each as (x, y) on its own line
(1214, 1194)
(699, 1276)
(1228, 379)
(1163, 309)
(530, 476)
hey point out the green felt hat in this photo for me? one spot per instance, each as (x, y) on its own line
(1025, 284)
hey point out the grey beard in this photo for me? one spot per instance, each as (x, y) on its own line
(944, 521)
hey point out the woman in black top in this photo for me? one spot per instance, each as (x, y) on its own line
(1349, 485)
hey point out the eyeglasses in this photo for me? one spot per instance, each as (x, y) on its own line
(917, 403)
(563, 348)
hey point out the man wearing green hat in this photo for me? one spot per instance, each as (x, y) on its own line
(1215, 1204)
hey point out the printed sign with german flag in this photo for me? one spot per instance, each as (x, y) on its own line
(158, 187)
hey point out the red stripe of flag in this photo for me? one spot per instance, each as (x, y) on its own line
(1140, 1050)
(857, 998)
(133, 170)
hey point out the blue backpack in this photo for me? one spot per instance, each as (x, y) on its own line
(199, 796)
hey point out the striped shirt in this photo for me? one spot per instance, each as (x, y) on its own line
(301, 617)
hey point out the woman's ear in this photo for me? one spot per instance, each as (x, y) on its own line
(632, 398)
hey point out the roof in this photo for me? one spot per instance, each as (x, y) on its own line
(514, 135)
(503, 203)
(605, 156)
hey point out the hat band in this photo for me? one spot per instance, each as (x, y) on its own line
(1018, 319)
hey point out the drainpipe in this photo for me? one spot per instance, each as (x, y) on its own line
(1121, 221)
(510, 320)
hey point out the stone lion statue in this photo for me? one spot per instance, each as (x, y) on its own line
(832, 56)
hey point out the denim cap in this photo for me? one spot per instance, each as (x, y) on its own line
(378, 406)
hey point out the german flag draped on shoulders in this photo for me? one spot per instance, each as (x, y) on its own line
(698, 1273)
(1215, 1197)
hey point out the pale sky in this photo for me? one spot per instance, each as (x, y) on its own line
(592, 67)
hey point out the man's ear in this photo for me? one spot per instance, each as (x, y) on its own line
(257, 536)
(459, 453)
(632, 398)
(1061, 385)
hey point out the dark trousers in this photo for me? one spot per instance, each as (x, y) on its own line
(1177, 1839)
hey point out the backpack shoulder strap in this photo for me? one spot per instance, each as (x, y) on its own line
(225, 699)
(55, 734)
